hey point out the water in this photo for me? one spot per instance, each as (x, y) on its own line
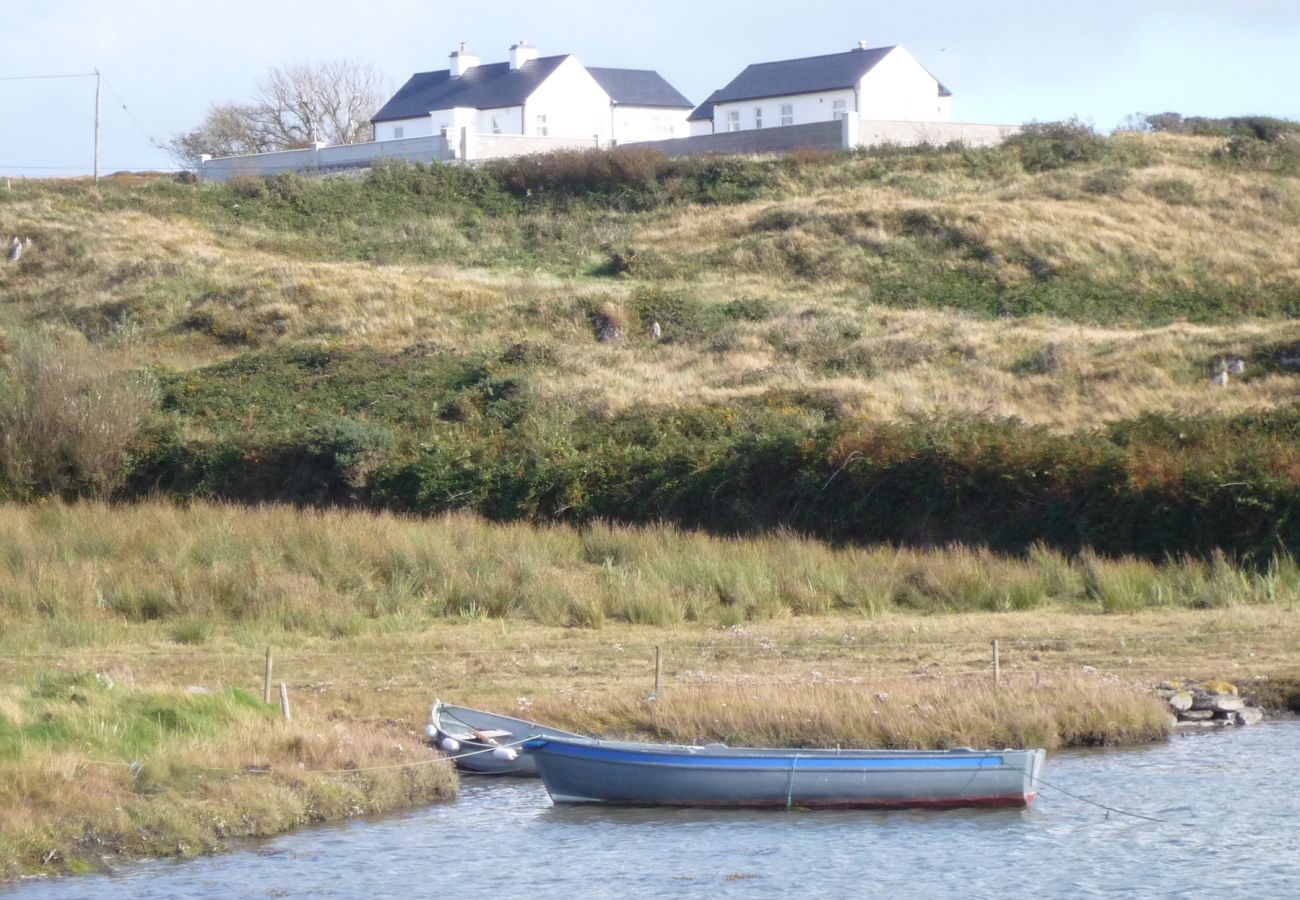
(1236, 796)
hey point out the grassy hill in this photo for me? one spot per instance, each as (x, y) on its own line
(1000, 346)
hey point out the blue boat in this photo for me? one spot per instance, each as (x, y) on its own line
(589, 771)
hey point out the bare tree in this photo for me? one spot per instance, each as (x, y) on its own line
(330, 101)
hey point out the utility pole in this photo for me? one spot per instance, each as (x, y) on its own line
(98, 80)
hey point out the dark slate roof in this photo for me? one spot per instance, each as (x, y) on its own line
(801, 76)
(704, 112)
(492, 86)
(638, 87)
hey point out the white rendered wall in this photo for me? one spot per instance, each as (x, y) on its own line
(509, 120)
(701, 126)
(807, 108)
(646, 123)
(574, 104)
(411, 128)
(899, 89)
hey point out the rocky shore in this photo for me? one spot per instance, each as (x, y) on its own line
(1208, 704)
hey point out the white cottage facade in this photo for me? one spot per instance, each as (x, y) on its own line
(535, 96)
(883, 83)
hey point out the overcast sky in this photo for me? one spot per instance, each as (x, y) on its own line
(1009, 61)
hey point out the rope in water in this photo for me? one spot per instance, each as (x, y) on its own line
(1109, 809)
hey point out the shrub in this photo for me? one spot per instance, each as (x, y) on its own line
(1174, 191)
(350, 450)
(67, 421)
(1055, 145)
(1107, 182)
(1280, 155)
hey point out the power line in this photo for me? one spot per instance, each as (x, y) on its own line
(45, 77)
(130, 115)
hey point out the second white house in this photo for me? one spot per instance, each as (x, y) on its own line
(883, 83)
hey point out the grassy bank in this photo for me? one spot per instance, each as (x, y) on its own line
(1008, 346)
(96, 768)
(136, 634)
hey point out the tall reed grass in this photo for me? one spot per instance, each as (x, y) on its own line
(205, 567)
(889, 713)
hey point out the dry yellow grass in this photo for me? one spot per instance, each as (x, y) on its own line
(152, 272)
(365, 646)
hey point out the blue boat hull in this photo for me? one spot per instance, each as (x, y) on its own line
(608, 772)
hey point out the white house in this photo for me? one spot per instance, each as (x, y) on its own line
(885, 83)
(538, 96)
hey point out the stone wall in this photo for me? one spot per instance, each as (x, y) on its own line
(322, 158)
(818, 135)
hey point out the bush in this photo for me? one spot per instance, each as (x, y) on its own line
(67, 421)
(1262, 128)
(349, 450)
(1055, 145)
(1281, 155)
(1107, 182)
(1174, 191)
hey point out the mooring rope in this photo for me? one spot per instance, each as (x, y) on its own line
(136, 767)
(1109, 809)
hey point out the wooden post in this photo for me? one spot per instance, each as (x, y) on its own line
(284, 701)
(266, 681)
(658, 667)
(997, 664)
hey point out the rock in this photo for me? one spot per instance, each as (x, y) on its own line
(1181, 700)
(1236, 365)
(1196, 715)
(1218, 702)
(280, 326)
(1195, 724)
(1216, 687)
(1249, 715)
(656, 332)
(15, 250)
(1220, 378)
(608, 329)
(198, 689)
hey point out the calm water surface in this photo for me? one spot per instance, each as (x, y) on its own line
(1236, 797)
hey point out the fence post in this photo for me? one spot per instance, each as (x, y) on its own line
(997, 664)
(266, 680)
(284, 701)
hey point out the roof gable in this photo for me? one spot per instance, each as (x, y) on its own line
(801, 76)
(638, 87)
(704, 112)
(491, 86)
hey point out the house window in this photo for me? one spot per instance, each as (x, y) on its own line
(787, 113)
(840, 110)
(733, 120)
(398, 132)
(542, 129)
(758, 117)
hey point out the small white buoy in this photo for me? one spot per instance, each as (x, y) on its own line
(450, 744)
(430, 732)
(506, 754)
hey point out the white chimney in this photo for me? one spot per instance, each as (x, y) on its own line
(521, 53)
(462, 60)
